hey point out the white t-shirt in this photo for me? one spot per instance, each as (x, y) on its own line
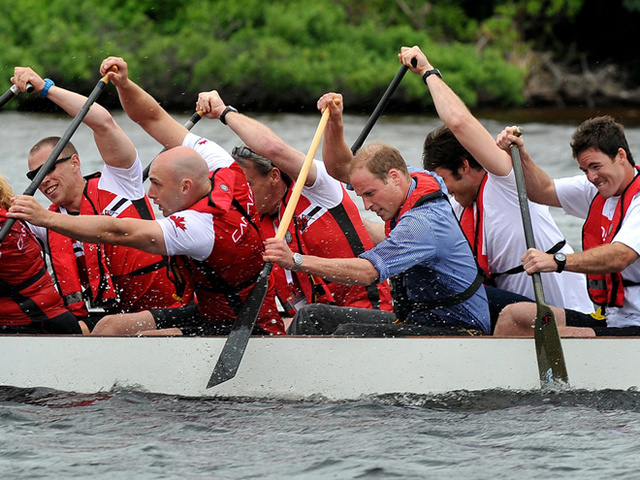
(575, 195)
(326, 192)
(188, 232)
(504, 245)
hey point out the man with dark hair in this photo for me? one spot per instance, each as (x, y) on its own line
(480, 179)
(608, 197)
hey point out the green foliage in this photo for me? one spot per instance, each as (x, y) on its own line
(264, 54)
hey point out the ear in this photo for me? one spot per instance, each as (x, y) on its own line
(464, 168)
(622, 154)
(274, 175)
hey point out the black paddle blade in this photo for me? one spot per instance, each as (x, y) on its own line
(551, 364)
(234, 348)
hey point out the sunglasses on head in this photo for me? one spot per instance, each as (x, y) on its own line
(31, 174)
(243, 152)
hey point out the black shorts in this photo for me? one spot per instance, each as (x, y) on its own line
(65, 324)
(585, 320)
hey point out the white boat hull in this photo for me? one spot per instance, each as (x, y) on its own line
(303, 367)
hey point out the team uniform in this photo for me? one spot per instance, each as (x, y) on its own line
(116, 278)
(218, 244)
(493, 226)
(326, 223)
(615, 219)
(29, 302)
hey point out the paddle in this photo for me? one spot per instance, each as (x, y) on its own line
(12, 92)
(381, 106)
(551, 365)
(233, 350)
(195, 118)
(53, 157)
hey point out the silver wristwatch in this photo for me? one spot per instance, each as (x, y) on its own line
(297, 261)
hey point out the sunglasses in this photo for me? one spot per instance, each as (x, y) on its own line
(31, 174)
(244, 152)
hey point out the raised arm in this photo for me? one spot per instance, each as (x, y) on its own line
(141, 107)
(455, 115)
(336, 153)
(115, 147)
(258, 137)
(540, 186)
(142, 234)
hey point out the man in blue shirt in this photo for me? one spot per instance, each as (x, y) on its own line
(436, 285)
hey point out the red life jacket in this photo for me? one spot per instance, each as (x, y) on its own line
(119, 278)
(473, 228)
(329, 233)
(27, 293)
(427, 188)
(607, 289)
(223, 280)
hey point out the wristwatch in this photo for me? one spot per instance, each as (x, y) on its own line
(297, 262)
(426, 74)
(561, 260)
(224, 114)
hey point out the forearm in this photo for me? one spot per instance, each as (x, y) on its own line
(103, 229)
(336, 153)
(143, 109)
(609, 258)
(72, 103)
(540, 186)
(346, 271)
(262, 140)
(471, 134)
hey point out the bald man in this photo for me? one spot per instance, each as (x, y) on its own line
(209, 230)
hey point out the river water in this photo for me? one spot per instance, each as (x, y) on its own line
(481, 435)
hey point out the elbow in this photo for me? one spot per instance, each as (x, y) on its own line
(274, 149)
(456, 122)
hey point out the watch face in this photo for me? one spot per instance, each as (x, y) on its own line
(560, 257)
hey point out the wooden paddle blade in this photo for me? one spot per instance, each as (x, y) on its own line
(233, 350)
(551, 365)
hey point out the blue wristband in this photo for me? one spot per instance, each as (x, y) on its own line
(48, 83)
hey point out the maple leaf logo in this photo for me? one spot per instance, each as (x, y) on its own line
(179, 222)
(202, 142)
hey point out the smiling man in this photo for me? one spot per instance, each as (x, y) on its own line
(117, 279)
(607, 196)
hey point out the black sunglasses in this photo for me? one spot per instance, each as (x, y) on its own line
(244, 152)
(31, 174)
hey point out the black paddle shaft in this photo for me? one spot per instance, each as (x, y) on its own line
(381, 106)
(53, 157)
(551, 364)
(12, 92)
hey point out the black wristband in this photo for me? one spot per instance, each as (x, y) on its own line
(426, 74)
(224, 114)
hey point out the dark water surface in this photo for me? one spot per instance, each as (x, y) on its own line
(486, 435)
(492, 434)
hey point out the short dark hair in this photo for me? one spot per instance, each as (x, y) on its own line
(443, 150)
(600, 133)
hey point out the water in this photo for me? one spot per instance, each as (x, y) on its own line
(486, 435)
(482, 435)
